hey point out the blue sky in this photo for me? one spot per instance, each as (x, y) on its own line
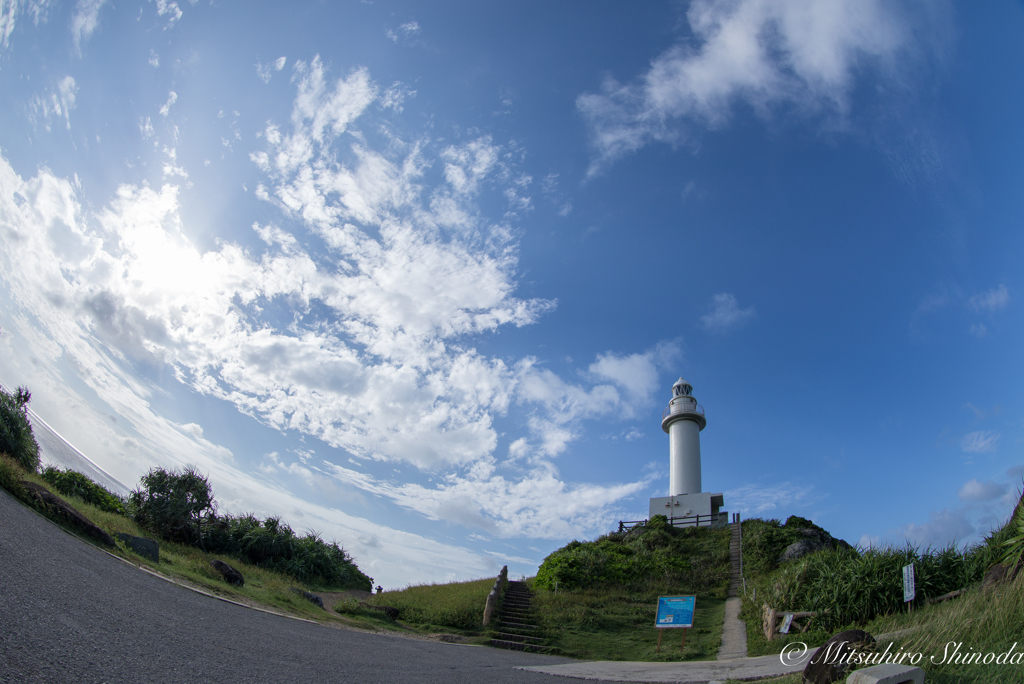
(421, 278)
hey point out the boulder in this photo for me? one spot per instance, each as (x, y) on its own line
(147, 548)
(814, 539)
(230, 575)
(309, 596)
(59, 508)
(832, 662)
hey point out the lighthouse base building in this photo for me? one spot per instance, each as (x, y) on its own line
(686, 505)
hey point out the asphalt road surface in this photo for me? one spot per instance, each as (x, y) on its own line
(71, 613)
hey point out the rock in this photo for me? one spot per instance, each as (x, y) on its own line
(147, 548)
(814, 540)
(60, 508)
(312, 598)
(832, 661)
(231, 575)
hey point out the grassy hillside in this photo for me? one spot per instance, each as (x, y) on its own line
(856, 587)
(608, 589)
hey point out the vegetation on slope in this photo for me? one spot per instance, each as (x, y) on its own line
(654, 556)
(607, 592)
(16, 438)
(179, 507)
(453, 605)
(850, 587)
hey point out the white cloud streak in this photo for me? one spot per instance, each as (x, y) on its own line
(84, 21)
(980, 442)
(766, 54)
(10, 10)
(54, 104)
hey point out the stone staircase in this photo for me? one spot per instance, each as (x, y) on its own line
(515, 629)
(736, 579)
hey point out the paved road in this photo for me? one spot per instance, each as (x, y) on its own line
(70, 613)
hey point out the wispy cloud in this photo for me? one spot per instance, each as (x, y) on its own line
(265, 71)
(995, 299)
(725, 314)
(10, 10)
(755, 499)
(766, 54)
(84, 21)
(979, 442)
(406, 31)
(54, 104)
(172, 97)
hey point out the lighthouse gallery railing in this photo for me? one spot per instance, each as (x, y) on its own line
(682, 407)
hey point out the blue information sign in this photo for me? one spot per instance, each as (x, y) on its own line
(675, 611)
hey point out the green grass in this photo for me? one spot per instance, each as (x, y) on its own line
(618, 624)
(455, 605)
(985, 621)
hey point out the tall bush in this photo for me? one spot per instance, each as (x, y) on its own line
(16, 438)
(173, 503)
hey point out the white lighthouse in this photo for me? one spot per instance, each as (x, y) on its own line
(686, 504)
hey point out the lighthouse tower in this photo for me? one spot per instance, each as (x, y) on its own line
(686, 504)
(683, 420)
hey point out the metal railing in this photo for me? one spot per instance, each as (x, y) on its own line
(682, 407)
(678, 521)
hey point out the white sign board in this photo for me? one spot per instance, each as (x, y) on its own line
(787, 622)
(909, 591)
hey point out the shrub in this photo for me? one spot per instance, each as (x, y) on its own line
(16, 437)
(655, 554)
(172, 503)
(272, 544)
(846, 587)
(73, 483)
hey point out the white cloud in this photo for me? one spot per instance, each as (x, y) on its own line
(154, 59)
(172, 97)
(395, 96)
(406, 30)
(980, 442)
(84, 21)
(975, 491)
(264, 71)
(11, 9)
(374, 354)
(993, 300)
(755, 500)
(766, 54)
(169, 10)
(943, 528)
(54, 104)
(725, 314)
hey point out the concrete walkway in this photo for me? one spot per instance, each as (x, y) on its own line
(734, 632)
(692, 672)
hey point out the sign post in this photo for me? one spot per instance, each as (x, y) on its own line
(909, 590)
(675, 611)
